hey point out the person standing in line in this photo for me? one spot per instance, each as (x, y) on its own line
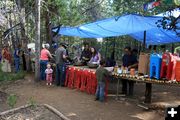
(23, 60)
(6, 59)
(17, 54)
(44, 59)
(49, 73)
(61, 57)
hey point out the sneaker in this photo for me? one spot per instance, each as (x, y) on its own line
(47, 84)
(96, 99)
(50, 84)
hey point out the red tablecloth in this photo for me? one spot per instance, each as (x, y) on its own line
(83, 79)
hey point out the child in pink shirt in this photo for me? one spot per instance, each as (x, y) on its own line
(49, 72)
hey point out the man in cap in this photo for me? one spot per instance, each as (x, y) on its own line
(61, 57)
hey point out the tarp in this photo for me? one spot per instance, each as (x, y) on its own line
(156, 35)
(115, 26)
(133, 25)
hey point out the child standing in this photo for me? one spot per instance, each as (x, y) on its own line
(49, 72)
(101, 75)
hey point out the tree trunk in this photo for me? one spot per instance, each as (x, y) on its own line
(47, 20)
(20, 5)
(48, 25)
(37, 42)
(12, 36)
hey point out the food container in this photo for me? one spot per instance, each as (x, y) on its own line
(91, 65)
(143, 66)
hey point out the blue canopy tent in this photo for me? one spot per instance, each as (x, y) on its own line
(139, 27)
(133, 25)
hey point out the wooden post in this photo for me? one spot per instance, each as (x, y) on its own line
(148, 93)
(144, 41)
(148, 90)
(106, 47)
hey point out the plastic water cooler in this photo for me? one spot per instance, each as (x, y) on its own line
(177, 71)
(175, 59)
(166, 66)
(155, 66)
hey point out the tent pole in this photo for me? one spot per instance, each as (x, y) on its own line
(144, 41)
(114, 45)
(106, 47)
(148, 85)
(172, 47)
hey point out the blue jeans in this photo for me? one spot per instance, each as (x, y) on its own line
(17, 64)
(43, 64)
(100, 91)
(60, 74)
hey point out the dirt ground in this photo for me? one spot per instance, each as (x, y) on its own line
(77, 105)
(31, 113)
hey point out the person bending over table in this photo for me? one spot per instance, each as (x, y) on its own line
(44, 59)
(61, 57)
(96, 56)
(86, 55)
(129, 61)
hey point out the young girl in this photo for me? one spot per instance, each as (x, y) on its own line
(96, 57)
(49, 72)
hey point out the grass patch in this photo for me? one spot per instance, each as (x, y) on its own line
(11, 76)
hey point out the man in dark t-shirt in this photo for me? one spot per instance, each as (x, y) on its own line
(129, 61)
(61, 55)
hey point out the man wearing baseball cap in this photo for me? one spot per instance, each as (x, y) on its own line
(61, 56)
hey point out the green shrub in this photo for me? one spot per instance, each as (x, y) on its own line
(12, 100)
(32, 102)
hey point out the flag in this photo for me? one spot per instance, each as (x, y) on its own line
(151, 5)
